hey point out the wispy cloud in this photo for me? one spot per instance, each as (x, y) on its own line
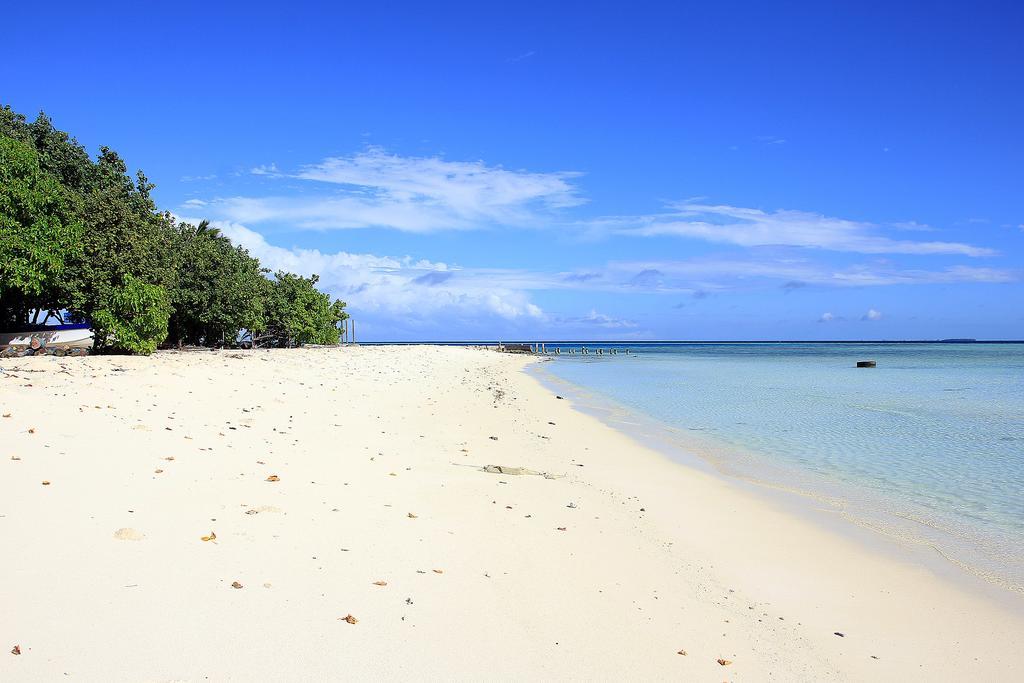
(754, 272)
(377, 189)
(519, 58)
(413, 194)
(399, 288)
(747, 227)
(419, 294)
(872, 314)
(595, 319)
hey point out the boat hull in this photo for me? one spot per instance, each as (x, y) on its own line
(67, 338)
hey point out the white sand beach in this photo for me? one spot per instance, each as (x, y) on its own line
(217, 516)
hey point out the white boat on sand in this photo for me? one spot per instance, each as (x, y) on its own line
(74, 339)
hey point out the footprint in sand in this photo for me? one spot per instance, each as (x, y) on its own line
(128, 534)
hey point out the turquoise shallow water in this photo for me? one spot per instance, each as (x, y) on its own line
(928, 446)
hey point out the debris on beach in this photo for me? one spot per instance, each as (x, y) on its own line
(439, 571)
(411, 516)
(380, 583)
(349, 618)
(16, 650)
(128, 534)
(273, 477)
(211, 537)
(682, 652)
(724, 662)
(45, 482)
(505, 469)
(841, 635)
(236, 585)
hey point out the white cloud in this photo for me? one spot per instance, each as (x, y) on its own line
(519, 58)
(595, 319)
(373, 188)
(716, 274)
(755, 228)
(266, 169)
(826, 318)
(399, 288)
(414, 194)
(872, 314)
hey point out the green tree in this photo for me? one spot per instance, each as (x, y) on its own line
(83, 236)
(123, 236)
(298, 313)
(40, 229)
(220, 289)
(135, 318)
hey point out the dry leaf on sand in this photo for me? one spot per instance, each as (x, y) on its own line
(211, 537)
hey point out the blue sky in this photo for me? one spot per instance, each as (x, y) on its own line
(591, 170)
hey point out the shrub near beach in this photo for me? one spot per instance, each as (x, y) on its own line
(84, 237)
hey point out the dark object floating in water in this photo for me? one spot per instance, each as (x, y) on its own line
(865, 364)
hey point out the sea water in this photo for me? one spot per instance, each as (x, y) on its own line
(927, 447)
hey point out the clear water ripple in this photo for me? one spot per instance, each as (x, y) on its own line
(929, 445)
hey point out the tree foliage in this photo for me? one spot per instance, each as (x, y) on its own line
(298, 313)
(83, 236)
(221, 292)
(135, 317)
(40, 229)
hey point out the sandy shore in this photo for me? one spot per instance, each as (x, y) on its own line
(113, 471)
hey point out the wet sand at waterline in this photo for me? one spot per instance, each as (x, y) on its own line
(322, 514)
